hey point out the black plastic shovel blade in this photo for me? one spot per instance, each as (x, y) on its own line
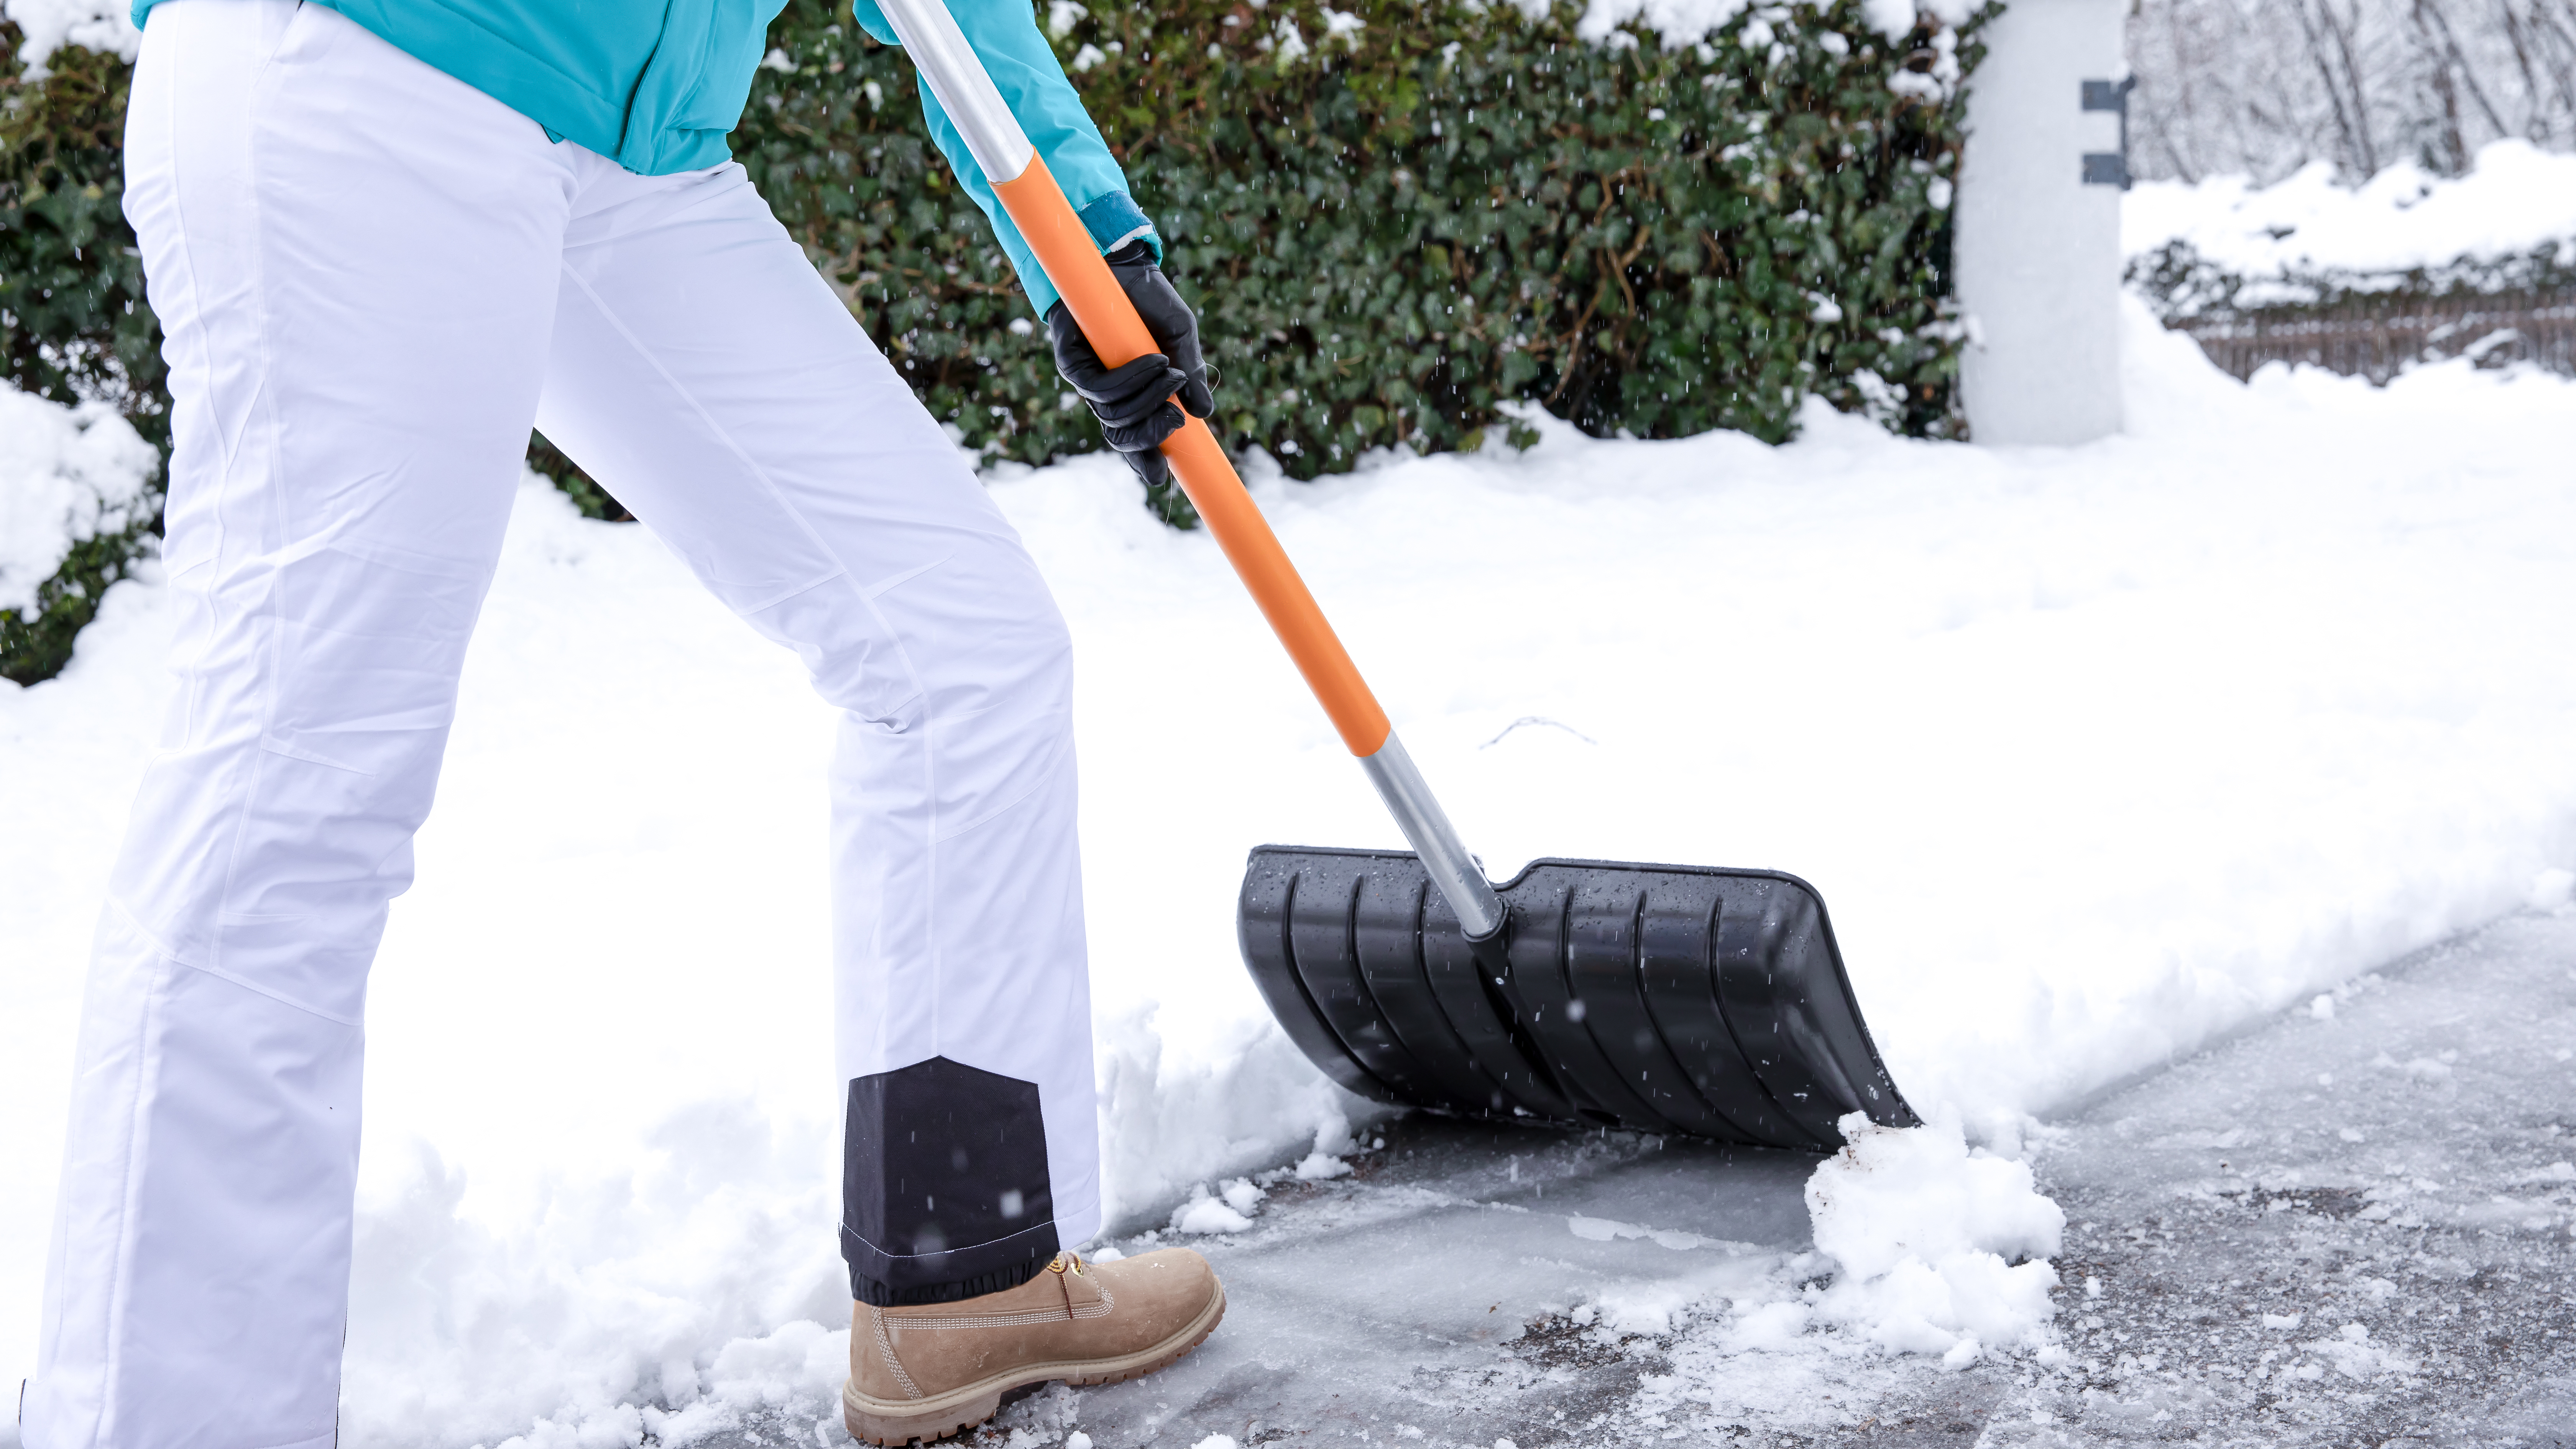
(1659, 998)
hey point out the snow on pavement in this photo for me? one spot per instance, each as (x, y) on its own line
(2097, 754)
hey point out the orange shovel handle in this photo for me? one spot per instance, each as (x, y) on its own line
(1064, 247)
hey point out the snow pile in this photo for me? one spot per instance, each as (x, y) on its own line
(49, 25)
(1942, 1248)
(1925, 1248)
(1184, 1097)
(659, 1285)
(2516, 198)
(67, 475)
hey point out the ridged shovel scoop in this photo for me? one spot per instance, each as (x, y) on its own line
(1662, 998)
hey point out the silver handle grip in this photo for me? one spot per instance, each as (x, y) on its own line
(1418, 814)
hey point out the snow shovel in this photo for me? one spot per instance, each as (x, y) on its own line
(1584, 993)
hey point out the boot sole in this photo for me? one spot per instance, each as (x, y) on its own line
(886, 1422)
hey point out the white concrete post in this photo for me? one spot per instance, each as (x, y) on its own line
(2037, 251)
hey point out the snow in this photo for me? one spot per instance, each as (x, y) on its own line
(67, 474)
(1229, 1210)
(2098, 754)
(1316, 1167)
(2515, 197)
(2552, 889)
(49, 25)
(1940, 1246)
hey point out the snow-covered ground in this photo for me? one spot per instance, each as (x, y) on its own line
(2514, 198)
(2098, 754)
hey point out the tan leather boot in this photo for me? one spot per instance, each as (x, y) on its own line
(928, 1372)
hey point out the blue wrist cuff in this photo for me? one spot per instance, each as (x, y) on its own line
(1115, 220)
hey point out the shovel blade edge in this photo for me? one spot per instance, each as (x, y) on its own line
(1657, 998)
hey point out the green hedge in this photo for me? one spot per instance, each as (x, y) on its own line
(1393, 229)
(1395, 232)
(73, 323)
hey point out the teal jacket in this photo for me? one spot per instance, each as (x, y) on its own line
(656, 85)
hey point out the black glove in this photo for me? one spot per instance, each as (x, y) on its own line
(1133, 401)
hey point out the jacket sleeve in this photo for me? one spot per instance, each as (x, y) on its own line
(1023, 66)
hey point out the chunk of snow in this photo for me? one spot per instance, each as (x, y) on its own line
(2354, 1355)
(2322, 1008)
(1205, 1213)
(1316, 1167)
(1603, 1230)
(1924, 1231)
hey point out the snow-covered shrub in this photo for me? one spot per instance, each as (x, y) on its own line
(46, 26)
(1657, 217)
(81, 348)
(75, 505)
(2432, 264)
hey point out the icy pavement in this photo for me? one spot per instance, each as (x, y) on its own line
(2349, 1226)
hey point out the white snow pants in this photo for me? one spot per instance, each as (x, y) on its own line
(373, 278)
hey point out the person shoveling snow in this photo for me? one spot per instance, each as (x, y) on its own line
(383, 241)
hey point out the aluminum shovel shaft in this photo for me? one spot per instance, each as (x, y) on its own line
(1073, 263)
